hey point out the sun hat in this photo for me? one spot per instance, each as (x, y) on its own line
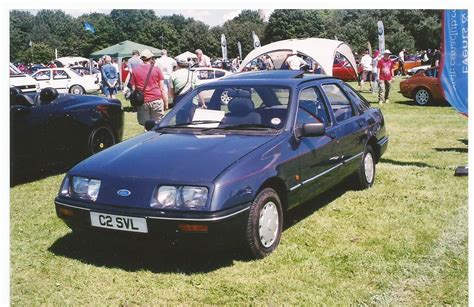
(146, 54)
(387, 51)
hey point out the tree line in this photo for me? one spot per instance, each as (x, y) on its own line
(53, 29)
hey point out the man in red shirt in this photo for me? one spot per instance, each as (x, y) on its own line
(385, 74)
(155, 102)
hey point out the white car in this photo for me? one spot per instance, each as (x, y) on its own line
(208, 74)
(22, 81)
(65, 80)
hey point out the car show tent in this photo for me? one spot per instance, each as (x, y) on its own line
(186, 55)
(321, 50)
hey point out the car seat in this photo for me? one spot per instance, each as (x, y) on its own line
(241, 109)
(24, 100)
(47, 95)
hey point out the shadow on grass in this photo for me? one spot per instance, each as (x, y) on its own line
(408, 163)
(414, 104)
(452, 149)
(191, 257)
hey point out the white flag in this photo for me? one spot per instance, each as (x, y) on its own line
(381, 34)
(239, 46)
(256, 41)
(224, 47)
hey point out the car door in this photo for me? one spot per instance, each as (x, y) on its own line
(43, 77)
(316, 159)
(60, 80)
(349, 130)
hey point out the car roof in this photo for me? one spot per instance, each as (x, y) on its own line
(277, 77)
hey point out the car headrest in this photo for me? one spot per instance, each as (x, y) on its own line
(241, 106)
(14, 91)
(238, 93)
(24, 100)
(48, 94)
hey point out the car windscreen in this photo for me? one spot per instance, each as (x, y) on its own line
(232, 108)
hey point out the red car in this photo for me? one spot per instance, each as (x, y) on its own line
(344, 70)
(423, 87)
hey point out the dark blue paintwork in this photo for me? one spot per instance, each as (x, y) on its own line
(55, 129)
(234, 166)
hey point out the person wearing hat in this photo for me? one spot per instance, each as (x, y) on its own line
(385, 75)
(156, 100)
(294, 62)
(182, 80)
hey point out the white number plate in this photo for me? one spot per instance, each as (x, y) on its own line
(119, 222)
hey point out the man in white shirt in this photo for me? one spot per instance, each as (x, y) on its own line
(166, 65)
(294, 62)
(366, 62)
(401, 62)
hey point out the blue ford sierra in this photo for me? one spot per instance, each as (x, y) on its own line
(229, 160)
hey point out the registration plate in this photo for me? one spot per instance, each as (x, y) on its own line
(119, 222)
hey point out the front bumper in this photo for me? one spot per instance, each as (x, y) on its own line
(224, 224)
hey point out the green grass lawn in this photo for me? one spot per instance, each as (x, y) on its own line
(404, 241)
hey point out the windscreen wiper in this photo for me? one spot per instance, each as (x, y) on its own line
(243, 127)
(195, 122)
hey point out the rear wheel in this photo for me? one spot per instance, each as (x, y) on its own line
(422, 97)
(265, 224)
(76, 90)
(366, 172)
(100, 138)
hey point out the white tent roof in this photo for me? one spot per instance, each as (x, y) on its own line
(186, 55)
(321, 50)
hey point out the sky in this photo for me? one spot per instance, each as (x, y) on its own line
(208, 16)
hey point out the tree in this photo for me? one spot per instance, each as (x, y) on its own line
(38, 53)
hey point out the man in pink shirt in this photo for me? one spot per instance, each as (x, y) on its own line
(385, 74)
(155, 102)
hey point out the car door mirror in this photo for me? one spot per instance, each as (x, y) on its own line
(150, 124)
(311, 130)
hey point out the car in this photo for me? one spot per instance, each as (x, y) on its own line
(416, 69)
(49, 126)
(22, 81)
(343, 70)
(64, 80)
(209, 74)
(231, 170)
(423, 87)
(85, 71)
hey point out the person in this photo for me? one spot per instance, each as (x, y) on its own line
(109, 78)
(182, 80)
(202, 59)
(124, 73)
(155, 102)
(134, 61)
(166, 65)
(235, 64)
(401, 62)
(385, 74)
(269, 63)
(424, 58)
(375, 77)
(294, 62)
(366, 62)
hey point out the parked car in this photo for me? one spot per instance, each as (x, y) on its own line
(232, 169)
(49, 125)
(342, 69)
(64, 80)
(22, 81)
(423, 87)
(85, 71)
(416, 69)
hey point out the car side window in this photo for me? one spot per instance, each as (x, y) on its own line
(311, 108)
(60, 74)
(340, 104)
(43, 75)
(358, 101)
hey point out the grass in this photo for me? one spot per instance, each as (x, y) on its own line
(404, 241)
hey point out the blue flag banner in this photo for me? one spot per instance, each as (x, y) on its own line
(89, 27)
(454, 66)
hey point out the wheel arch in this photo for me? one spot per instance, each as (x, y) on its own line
(279, 186)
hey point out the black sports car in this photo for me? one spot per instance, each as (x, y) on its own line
(48, 126)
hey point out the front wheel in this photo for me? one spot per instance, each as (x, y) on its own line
(100, 138)
(366, 172)
(265, 224)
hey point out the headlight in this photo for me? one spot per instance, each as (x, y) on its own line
(180, 197)
(81, 187)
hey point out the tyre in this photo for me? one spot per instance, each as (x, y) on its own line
(265, 224)
(100, 138)
(76, 90)
(366, 173)
(422, 97)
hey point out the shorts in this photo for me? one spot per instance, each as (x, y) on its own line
(153, 110)
(366, 75)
